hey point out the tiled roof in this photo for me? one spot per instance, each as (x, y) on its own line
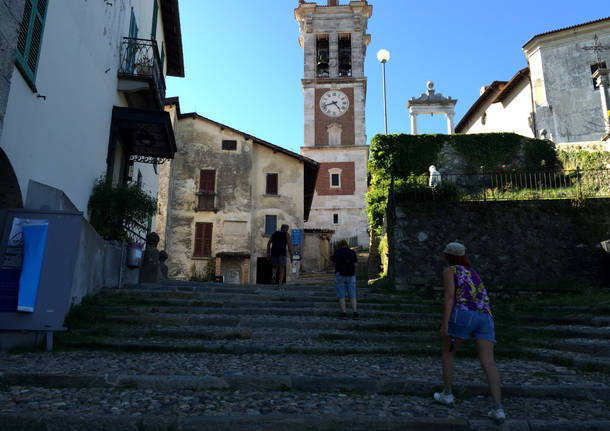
(567, 28)
(489, 91)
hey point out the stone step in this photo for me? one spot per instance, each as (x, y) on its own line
(257, 419)
(292, 345)
(267, 311)
(263, 302)
(582, 360)
(269, 321)
(571, 330)
(300, 383)
(594, 347)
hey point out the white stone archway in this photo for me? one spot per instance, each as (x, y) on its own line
(432, 103)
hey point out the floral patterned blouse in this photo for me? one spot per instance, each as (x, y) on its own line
(470, 293)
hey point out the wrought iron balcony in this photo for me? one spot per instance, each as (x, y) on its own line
(206, 201)
(141, 74)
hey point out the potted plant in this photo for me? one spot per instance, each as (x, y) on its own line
(112, 206)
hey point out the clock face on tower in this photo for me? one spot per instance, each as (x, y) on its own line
(334, 103)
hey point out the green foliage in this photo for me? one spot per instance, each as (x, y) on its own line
(405, 154)
(539, 155)
(112, 205)
(383, 254)
(586, 160)
(208, 276)
(408, 157)
(489, 150)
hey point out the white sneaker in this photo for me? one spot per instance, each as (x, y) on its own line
(497, 415)
(441, 398)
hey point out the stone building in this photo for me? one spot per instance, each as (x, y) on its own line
(334, 42)
(556, 96)
(222, 197)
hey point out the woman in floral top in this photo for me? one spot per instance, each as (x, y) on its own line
(467, 314)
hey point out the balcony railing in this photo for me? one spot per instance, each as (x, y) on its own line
(206, 201)
(565, 184)
(140, 61)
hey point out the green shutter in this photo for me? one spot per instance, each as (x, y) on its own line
(30, 37)
(153, 31)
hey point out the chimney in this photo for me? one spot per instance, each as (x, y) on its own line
(333, 3)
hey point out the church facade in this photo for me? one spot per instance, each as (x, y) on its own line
(334, 42)
(557, 96)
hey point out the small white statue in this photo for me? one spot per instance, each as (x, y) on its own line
(435, 177)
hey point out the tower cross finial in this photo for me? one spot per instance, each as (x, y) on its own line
(597, 48)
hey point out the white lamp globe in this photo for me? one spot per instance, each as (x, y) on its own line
(383, 55)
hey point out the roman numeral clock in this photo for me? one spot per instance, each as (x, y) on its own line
(334, 41)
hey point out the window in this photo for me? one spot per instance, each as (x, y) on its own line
(594, 67)
(335, 218)
(271, 184)
(335, 180)
(153, 30)
(207, 190)
(345, 55)
(30, 38)
(203, 240)
(229, 145)
(322, 55)
(270, 224)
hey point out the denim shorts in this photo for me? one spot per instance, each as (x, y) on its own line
(471, 324)
(343, 283)
(278, 260)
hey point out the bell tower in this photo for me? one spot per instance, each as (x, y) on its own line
(334, 40)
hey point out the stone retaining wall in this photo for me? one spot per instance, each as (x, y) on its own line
(507, 241)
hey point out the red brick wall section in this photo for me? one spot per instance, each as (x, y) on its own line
(346, 120)
(348, 183)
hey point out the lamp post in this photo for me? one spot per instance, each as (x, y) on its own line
(383, 55)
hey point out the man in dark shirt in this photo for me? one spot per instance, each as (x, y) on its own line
(276, 251)
(345, 276)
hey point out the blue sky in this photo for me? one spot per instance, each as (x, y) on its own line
(243, 63)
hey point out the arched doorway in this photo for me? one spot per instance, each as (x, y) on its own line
(10, 193)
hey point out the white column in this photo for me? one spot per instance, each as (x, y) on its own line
(413, 123)
(333, 58)
(602, 82)
(450, 128)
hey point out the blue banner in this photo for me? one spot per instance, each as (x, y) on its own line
(34, 239)
(297, 236)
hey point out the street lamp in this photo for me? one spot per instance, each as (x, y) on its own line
(383, 55)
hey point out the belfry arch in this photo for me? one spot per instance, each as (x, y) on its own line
(10, 193)
(432, 103)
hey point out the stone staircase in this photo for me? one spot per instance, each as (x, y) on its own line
(190, 356)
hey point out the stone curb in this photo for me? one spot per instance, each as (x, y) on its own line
(314, 384)
(23, 422)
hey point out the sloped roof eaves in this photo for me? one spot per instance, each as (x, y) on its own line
(476, 105)
(170, 15)
(523, 74)
(565, 28)
(303, 159)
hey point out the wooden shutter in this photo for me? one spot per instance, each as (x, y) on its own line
(272, 184)
(153, 30)
(207, 180)
(203, 240)
(30, 37)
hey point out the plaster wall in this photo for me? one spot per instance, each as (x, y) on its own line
(199, 147)
(568, 105)
(11, 12)
(510, 115)
(287, 205)
(77, 75)
(353, 219)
